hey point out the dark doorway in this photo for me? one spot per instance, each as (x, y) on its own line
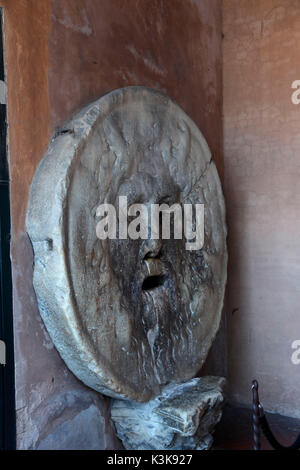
(7, 394)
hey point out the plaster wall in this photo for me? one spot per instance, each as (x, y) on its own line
(261, 178)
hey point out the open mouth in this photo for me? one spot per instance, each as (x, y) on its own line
(152, 282)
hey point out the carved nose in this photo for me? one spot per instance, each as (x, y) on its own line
(154, 266)
(150, 249)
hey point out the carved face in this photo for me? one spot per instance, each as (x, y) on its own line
(147, 270)
(131, 315)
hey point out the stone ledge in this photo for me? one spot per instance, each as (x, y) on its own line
(182, 417)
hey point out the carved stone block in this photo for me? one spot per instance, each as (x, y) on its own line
(118, 334)
(183, 417)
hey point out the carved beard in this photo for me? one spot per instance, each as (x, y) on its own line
(162, 313)
(158, 317)
(164, 317)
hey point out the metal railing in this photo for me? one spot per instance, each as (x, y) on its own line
(260, 423)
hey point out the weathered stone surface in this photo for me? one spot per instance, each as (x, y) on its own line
(116, 337)
(182, 417)
(71, 419)
(76, 426)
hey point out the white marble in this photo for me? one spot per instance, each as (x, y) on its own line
(182, 417)
(118, 338)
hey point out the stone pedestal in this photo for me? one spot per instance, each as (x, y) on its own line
(183, 417)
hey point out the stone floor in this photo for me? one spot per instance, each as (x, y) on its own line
(234, 432)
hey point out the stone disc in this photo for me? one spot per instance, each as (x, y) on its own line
(127, 316)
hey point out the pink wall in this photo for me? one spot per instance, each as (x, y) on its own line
(262, 186)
